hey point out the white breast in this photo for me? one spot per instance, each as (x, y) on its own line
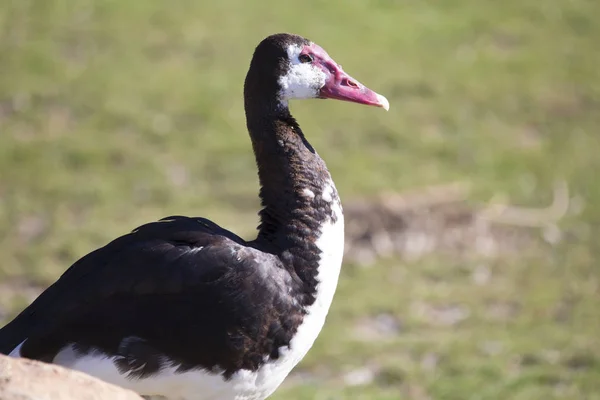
(331, 244)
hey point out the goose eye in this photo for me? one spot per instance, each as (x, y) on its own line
(305, 58)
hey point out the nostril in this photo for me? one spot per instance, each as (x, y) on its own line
(350, 82)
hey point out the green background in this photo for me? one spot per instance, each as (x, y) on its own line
(115, 113)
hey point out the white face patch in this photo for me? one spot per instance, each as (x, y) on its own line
(303, 80)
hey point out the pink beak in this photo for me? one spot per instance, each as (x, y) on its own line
(341, 86)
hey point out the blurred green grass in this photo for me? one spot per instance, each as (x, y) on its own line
(113, 113)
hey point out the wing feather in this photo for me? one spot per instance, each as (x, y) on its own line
(178, 278)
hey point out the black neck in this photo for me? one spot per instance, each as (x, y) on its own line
(289, 170)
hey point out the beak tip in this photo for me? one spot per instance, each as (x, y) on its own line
(383, 102)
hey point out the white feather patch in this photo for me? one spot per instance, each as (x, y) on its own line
(303, 80)
(16, 352)
(308, 193)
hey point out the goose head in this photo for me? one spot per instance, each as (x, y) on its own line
(292, 67)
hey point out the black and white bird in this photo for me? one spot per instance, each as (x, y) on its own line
(184, 309)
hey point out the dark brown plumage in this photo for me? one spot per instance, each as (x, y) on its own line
(185, 296)
(187, 287)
